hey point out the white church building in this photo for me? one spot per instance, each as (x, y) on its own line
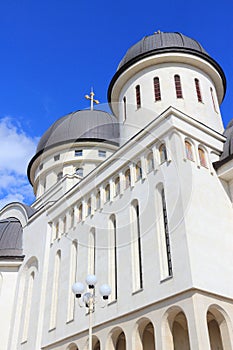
(141, 198)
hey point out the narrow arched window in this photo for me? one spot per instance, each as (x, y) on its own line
(117, 186)
(138, 96)
(98, 200)
(59, 176)
(178, 86)
(213, 100)
(107, 193)
(198, 90)
(89, 207)
(72, 280)
(55, 291)
(57, 230)
(188, 150)
(80, 213)
(92, 252)
(163, 153)
(138, 169)
(136, 247)
(127, 178)
(124, 108)
(112, 257)
(202, 157)
(157, 89)
(150, 162)
(72, 217)
(64, 224)
(166, 230)
(28, 298)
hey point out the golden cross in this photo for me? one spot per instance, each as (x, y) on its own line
(91, 98)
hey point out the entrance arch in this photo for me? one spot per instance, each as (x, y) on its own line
(218, 329)
(144, 337)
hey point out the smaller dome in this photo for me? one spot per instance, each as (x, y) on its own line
(228, 146)
(11, 235)
(81, 125)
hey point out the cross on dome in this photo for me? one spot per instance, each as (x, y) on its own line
(91, 98)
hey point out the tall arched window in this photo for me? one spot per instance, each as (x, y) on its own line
(72, 218)
(213, 100)
(57, 230)
(150, 162)
(112, 257)
(92, 252)
(55, 290)
(80, 213)
(127, 178)
(136, 247)
(107, 193)
(138, 96)
(202, 157)
(157, 89)
(28, 298)
(89, 207)
(166, 232)
(72, 279)
(178, 86)
(138, 169)
(98, 200)
(64, 221)
(188, 150)
(124, 109)
(163, 153)
(117, 186)
(163, 234)
(198, 90)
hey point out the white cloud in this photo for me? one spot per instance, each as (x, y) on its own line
(16, 150)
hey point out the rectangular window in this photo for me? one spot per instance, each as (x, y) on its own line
(157, 89)
(102, 153)
(178, 87)
(57, 157)
(138, 96)
(78, 153)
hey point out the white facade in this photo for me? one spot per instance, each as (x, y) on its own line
(153, 219)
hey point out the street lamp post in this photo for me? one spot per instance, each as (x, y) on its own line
(89, 298)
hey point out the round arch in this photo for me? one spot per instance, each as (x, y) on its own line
(144, 338)
(175, 329)
(218, 327)
(72, 346)
(116, 339)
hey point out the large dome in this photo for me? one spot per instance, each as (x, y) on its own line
(81, 126)
(160, 41)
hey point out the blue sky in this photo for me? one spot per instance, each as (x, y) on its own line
(53, 51)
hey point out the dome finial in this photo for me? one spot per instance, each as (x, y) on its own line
(91, 98)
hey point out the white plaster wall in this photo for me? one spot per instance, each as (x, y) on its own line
(136, 119)
(8, 280)
(67, 163)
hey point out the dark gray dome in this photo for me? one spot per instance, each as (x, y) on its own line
(11, 236)
(81, 125)
(228, 146)
(161, 41)
(158, 43)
